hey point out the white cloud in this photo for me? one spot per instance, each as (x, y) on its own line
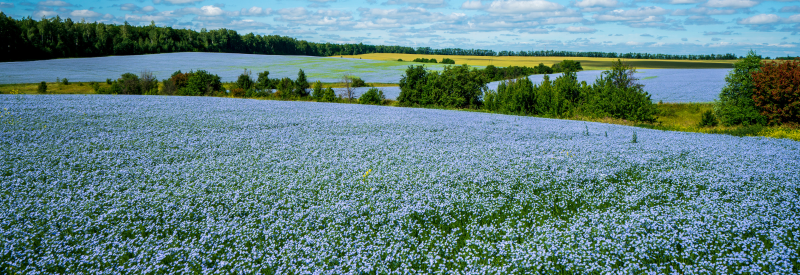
(6, 5)
(85, 14)
(54, 3)
(426, 3)
(731, 3)
(522, 6)
(561, 20)
(255, 11)
(378, 24)
(247, 23)
(642, 14)
(44, 13)
(206, 11)
(148, 18)
(677, 2)
(760, 19)
(793, 19)
(472, 5)
(574, 29)
(703, 11)
(177, 2)
(597, 3)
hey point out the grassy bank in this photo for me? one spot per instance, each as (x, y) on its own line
(684, 117)
(588, 63)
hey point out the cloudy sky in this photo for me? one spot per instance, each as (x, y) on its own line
(656, 26)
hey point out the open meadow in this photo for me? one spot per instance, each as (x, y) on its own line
(589, 63)
(170, 184)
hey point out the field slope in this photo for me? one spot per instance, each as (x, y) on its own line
(588, 63)
(153, 184)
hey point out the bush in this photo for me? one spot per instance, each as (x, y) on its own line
(148, 83)
(244, 81)
(263, 82)
(301, 85)
(197, 83)
(169, 87)
(357, 82)
(285, 88)
(736, 105)
(372, 96)
(65, 81)
(777, 92)
(521, 96)
(448, 61)
(328, 95)
(455, 86)
(425, 60)
(708, 119)
(316, 91)
(130, 84)
(237, 92)
(617, 94)
(42, 89)
(566, 66)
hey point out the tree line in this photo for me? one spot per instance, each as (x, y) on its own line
(615, 94)
(29, 39)
(630, 55)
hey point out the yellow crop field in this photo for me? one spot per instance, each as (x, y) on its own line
(588, 63)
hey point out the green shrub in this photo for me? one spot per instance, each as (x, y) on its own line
(285, 88)
(130, 84)
(198, 83)
(448, 61)
(616, 93)
(425, 60)
(567, 66)
(263, 82)
(328, 95)
(169, 87)
(357, 82)
(708, 119)
(301, 85)
(42, 89)
(244, 81)
(455, 86)
(65, 81)
(736, 105)
(372, 96)
(316, 90)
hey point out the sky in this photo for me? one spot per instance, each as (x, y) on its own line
(770, 28)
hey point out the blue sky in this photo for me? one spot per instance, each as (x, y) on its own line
(656, 26)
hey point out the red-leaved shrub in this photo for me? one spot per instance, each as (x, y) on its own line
(777, 91)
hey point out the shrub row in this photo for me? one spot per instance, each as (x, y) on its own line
(615, 94)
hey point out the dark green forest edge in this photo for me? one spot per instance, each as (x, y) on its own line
(29, 39)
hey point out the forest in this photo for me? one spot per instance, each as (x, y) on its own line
(29, 39)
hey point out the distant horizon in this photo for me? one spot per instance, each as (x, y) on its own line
(695, 27)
